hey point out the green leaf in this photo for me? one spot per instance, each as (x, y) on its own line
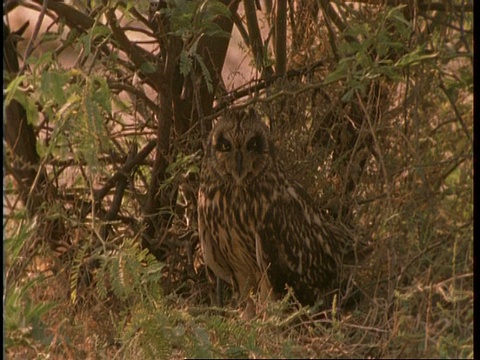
(339, 73)
(52, 86)
(415, 57)
(13, 88)
(148, 68)
(397, 14)
(185, 63)
(101, 93)
(205, 73)
(348, 95)
(14, 92)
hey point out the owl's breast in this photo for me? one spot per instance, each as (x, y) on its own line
(230, 217)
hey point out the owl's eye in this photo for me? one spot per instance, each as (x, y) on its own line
(223, 145)
(255, 144)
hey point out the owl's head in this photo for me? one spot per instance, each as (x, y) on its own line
(239, 148)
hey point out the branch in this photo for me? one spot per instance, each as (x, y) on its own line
(126, 169)
(455, 109)
(423, 5)
(73, 17)
(136, 54)
(241, 29)
(83, 23)
(256, 41)
(257, 85)
(330, 12)
(281, 38)
(198, 104)
(134, 91)
(112, 212)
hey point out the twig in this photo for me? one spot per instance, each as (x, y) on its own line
(455, 109)
(36, 30)
(255, 86)
(366, 328)
(377, 148)
(133, 90)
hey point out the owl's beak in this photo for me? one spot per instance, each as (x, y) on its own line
(239, 164)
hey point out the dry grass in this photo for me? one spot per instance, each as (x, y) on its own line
(417, 286)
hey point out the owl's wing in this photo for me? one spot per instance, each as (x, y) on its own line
(296, 248)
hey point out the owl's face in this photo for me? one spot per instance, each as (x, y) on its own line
(239, 148)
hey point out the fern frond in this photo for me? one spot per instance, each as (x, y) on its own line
(75, 271)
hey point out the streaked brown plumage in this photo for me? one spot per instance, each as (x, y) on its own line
(253, 220)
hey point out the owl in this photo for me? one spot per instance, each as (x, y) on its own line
(259, 230)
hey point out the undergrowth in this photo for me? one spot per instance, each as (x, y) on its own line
(380, 134)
